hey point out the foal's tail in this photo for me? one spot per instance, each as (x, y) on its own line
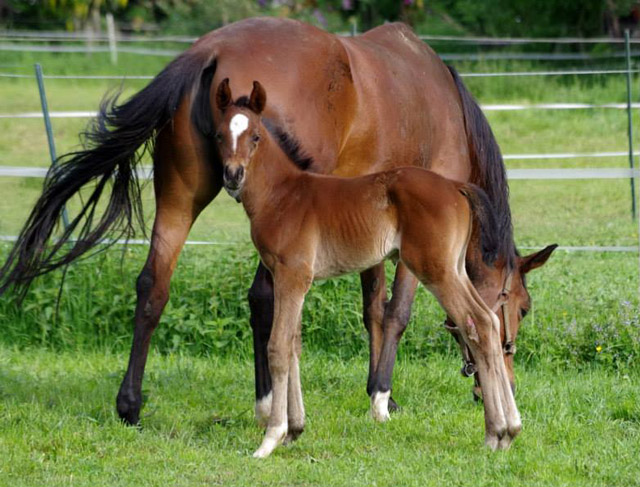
(484, 219)
(110, 158)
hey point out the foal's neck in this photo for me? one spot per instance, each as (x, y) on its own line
(271, 176)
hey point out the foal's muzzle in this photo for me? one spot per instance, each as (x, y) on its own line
(233, 179)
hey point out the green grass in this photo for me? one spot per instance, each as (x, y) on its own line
(59, 427)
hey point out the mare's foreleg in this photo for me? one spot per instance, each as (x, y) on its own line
(290, 287)
(374, 303)
(261, 319)
(396, 318)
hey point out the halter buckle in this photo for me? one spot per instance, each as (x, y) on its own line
(469, 369)
(509, 348)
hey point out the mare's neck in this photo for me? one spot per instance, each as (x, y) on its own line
(271, 176)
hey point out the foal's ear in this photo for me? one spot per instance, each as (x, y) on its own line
(258, 98)
(537, 259)
(223, 95)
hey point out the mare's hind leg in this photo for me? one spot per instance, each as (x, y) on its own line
(184, 184)
(396, 317)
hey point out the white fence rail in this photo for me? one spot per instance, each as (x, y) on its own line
(102, 43)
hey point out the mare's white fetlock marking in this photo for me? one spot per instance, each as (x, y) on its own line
(238, 124)
(380, 406)
(272, 438)
(263, 409)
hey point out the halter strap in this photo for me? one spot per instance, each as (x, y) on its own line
(509, 347)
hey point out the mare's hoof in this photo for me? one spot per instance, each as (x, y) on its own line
(128, 410)
(393, 406)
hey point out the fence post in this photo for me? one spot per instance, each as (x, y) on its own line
(47, 126)
(111, 32)
(354, 27)
(627, 47)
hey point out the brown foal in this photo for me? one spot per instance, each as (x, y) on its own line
(308, 226)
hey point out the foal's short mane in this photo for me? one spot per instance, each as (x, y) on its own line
(488, 172)
(203, 120)
(289, 145)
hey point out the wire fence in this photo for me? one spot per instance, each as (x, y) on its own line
(94, 43)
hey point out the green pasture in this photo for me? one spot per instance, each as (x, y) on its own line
(578, 384)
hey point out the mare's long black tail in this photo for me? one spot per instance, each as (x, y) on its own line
(110, 158)
(487, 170)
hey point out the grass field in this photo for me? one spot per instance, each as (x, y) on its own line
(577, 355)
(59, 427)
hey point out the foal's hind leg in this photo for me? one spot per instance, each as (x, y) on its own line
(480, 329)
(184, 184)
(396, 317)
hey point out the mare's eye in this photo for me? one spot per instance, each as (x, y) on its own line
(255, 139)
(218, 137)
(523, 313)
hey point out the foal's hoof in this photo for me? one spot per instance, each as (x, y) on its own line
(292, 435)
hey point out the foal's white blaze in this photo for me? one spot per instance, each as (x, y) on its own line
(263, 409)
(380, 406)
(239, 123)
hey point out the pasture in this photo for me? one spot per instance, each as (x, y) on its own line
(578, 382)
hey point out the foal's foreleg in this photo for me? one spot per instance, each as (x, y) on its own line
(290, 287)
(295, 404)
(396, 318)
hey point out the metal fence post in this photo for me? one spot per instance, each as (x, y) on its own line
(47, 126)
(627, 47)
(111, 32)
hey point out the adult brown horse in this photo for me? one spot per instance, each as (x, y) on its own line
(309, 226)
(357, 105)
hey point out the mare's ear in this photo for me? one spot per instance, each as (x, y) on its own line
(535, 260)
(223, 95)
(258, 98)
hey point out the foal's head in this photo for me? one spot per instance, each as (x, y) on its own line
(239, 133)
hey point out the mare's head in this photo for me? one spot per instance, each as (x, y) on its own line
(239, 133)
(503, 287)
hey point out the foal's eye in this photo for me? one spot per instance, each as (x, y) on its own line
(523, 313)
(218, 137)
(255, 139)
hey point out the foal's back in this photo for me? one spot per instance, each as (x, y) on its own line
(351, 224)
